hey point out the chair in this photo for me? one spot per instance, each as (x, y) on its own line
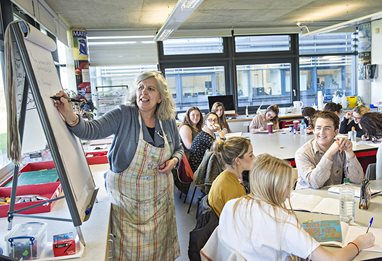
(371, 171)
(205, 174)
(207, 221)
(185, 176)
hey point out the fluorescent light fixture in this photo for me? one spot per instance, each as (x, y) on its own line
(112, 43)
(119, 37)
(338, 26)
(182, 11)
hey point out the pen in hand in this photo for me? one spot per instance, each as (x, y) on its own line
(57, 98)
(370, 223)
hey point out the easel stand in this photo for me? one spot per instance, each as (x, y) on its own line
(78, 213)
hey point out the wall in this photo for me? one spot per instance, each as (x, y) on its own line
(376, 58)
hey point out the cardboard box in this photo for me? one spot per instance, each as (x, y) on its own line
(65, 244)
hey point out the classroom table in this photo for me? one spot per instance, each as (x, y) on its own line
(95, 230)
(283, 144)
(242, 122)
(362, 217)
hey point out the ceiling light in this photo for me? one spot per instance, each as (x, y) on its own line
(112, 43)
(338, 26)
(182, 11)
(119, 37)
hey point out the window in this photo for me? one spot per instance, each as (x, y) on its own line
(263, 84)
(190, 86)
(328, 74)
(115, 76)
(64, 77)
(193, 46)
(267, 43)
(328, 64)
(329, 43)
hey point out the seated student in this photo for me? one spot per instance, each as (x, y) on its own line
(259, 123)
(219, 109)
(371, 123)
(237, 156)
(204, 140)
(351, 119)
(259, 226)
(191, 126)
(325, 160)
(333, 107)
(307, 113)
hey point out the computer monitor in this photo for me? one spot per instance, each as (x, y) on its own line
(227, 100)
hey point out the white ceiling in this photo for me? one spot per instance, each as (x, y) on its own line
(213, 17)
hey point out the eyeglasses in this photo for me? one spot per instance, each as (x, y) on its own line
(212, 120)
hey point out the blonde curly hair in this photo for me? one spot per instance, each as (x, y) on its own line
(166, 108)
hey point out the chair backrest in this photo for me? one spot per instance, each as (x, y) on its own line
(185, 173)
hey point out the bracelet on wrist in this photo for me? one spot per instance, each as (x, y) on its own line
(352, 243)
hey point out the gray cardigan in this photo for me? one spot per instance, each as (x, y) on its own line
(123, 123)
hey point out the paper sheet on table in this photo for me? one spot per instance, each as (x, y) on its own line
(233, 134)
(357, 190)
(313, 203)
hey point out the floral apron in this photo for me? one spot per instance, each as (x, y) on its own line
(143, 212)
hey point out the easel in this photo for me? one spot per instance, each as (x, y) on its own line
(18, 30)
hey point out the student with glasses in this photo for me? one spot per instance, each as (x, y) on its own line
(326, 160)
(204, 140)
(352, 119)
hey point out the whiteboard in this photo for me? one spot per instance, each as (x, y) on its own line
(75, 175)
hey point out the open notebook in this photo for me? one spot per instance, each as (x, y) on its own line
(313, 203)
(356, 188)
(336, 233)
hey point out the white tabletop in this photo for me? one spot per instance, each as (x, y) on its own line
(95, 230)
(362, 217)
(284, 144)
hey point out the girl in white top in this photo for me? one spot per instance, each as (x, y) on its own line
(259, 226)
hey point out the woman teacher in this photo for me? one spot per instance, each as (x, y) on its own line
(145, 148)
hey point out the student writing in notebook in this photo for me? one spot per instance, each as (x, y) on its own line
(259, 226)
(325, 160)
(260, 121)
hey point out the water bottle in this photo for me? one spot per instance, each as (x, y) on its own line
(347, 204)
(303, 127)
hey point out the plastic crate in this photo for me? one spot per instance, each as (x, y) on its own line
(49, 190)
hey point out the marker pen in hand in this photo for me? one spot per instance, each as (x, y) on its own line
(370, 223)
(57, 98)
